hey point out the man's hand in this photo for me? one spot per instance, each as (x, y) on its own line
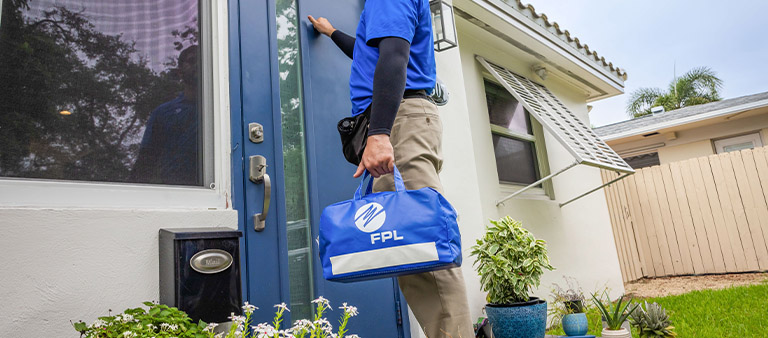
(322, 25)
(378, 156)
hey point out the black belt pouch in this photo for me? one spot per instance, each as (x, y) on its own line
(354, 134)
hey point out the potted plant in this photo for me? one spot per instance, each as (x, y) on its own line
(615, 315)
(510, 261)
(652, 322)
(568, 308)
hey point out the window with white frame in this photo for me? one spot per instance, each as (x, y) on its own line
(517, 147)
(737, 143)
(105, 91)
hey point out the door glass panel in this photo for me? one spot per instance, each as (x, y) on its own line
(294, 156)
(101, 90)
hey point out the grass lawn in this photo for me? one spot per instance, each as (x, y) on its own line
(735, 312)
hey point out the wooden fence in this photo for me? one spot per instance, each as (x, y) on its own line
(699, 216)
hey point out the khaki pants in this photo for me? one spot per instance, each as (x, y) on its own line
(438, 299)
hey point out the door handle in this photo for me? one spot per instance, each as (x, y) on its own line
(258, 174)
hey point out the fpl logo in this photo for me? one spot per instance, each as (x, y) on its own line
(370, 218)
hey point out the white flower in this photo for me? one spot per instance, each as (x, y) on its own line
(324, 325)
(352, 336)
(168, 327)
(282, 306)
(264, 330)
(237, 319)
(303, 324)
(349, 309)
(248, 308)
(320, 300)
(98, 323)
(129, 334)
(210, 327)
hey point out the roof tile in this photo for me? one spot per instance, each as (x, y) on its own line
(542, 20)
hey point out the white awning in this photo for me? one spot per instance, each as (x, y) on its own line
(585, 146)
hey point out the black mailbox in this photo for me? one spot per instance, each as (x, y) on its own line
(200, 272)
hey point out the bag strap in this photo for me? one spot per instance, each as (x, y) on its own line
(399, 184)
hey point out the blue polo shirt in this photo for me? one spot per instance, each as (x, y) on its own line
(407, 19)
(171, 138)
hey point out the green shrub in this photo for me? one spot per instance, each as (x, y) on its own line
(158, 320)
(510, 261)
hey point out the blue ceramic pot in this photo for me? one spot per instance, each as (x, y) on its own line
(575, 324)
(520, 320)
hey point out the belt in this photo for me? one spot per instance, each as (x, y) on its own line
(417, 93)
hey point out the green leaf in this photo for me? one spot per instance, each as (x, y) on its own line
(80, 327)
(493, 249)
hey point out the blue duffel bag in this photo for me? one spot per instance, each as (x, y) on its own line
(388, 233)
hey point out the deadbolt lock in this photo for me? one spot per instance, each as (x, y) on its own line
(256, 132)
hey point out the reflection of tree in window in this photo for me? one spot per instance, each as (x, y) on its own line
(108, 74)
(294, 157)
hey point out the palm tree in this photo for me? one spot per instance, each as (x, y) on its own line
(697, 86)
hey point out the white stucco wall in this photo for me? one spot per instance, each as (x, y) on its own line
(76, 264)
(579, 235)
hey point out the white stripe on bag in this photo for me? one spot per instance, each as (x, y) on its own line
(382, 258)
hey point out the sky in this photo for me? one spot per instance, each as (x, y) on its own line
(652, 40)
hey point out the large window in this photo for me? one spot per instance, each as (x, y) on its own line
(514, 143)
(105, 91)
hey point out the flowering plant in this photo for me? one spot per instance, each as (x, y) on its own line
(160, 321)
(319, 327)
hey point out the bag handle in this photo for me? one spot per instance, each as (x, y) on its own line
(399, 184)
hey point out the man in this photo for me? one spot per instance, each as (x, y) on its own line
(169, 150)
(393, 68)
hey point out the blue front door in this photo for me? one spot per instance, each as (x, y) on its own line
(293, 83)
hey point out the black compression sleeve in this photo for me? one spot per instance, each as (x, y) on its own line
(345, 42)
(388, 83)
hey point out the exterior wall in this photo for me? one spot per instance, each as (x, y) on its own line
(579, 235)
(76, 264)
(695, 140)
(685, 151)
(64, 263)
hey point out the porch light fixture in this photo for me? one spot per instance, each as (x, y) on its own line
(443, 26)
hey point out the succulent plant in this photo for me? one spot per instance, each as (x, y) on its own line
(614, 314)
(652, 321)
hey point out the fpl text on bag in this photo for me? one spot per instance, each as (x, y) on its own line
(385, 236)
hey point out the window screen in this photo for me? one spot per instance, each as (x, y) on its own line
(101, 90)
